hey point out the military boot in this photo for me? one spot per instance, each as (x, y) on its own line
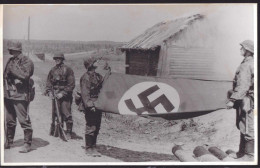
(241, 151)
(27, 141)
(10, 137)
(90, 148)
(249, 151)
(69, 130)
(8, 145)
(94, 152)
(25, 148)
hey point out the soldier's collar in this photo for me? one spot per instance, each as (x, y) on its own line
(247, 58)
(17, 57)
(59, 66)
(91, 71)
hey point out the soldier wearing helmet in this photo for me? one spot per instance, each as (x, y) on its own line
(241, 97)
(90, 85)
(17, 73)
(60, 84)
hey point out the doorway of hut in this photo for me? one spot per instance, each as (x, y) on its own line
(142, 62)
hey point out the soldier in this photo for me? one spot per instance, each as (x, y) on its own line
(17, 73)
(60, 83)
(242, 99)
(90, 85)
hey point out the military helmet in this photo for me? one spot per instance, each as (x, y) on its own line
(16, 46)
(248, 45)
(58, 55)
(88, 62)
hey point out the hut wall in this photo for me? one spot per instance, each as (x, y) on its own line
(144, 63)
(191, 63)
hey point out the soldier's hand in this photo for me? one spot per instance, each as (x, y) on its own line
(50, 95)
(107, 67)
(93, 109)
(17, 81)
(59, 95)
(230, 104)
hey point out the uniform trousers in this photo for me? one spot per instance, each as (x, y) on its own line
(93, 122)
(17, 109)
(65, 110)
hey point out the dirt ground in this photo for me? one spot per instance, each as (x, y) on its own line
(121, 138)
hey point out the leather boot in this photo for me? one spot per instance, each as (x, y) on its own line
(88, 143)
(241, 151)
(10, 132)
(8, 145)
(249, 151)
(95, 140)
(28, 136)
(69, 130)
(25, 148)
(90, 148)
(95, 153)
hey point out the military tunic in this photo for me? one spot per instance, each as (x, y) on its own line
(243, 95)
(90, 85)
(17, 74)
(61, 80)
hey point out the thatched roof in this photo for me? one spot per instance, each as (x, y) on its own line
(163, 31)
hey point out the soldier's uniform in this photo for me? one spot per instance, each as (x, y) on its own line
(17, 75)
(243, 96)
(61, 80)
(90, 85)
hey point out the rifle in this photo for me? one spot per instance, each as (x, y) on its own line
(5, 127)
(58, 129)
(52, 128)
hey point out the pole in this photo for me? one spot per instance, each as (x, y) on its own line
(28, 36)
(29, 28)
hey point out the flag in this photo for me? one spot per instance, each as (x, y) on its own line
(170, 98)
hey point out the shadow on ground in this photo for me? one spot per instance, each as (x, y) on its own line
(75, 136)
(133, 156)
(36, 143)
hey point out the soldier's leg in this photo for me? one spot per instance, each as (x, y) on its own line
(98, 116)
(91, 128)
(246, 126)
(10, 119)
(240, 123)
(66, 111)
(249, 133)
(24, 120)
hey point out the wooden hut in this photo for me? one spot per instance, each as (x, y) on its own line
(180, 48)
(41, 56)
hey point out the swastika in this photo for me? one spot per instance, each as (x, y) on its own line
(147, 105)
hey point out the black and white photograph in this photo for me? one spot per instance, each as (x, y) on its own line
(129, 84)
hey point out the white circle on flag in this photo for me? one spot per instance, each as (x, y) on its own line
(163, 90)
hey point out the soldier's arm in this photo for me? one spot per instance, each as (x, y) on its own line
(70, 82)
(243, 83)
(48, 86)
(85, 91)
(24, 70)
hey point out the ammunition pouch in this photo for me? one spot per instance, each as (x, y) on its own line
(58, 87)
(59, 82)
(78, 98)
(229, 93)
(250, 95)
(93, 96)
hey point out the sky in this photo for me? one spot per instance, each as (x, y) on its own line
(114, 22)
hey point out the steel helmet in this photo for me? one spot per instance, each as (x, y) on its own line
(58, 55)
(88, 62)
(248, 45)
(16, 46)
